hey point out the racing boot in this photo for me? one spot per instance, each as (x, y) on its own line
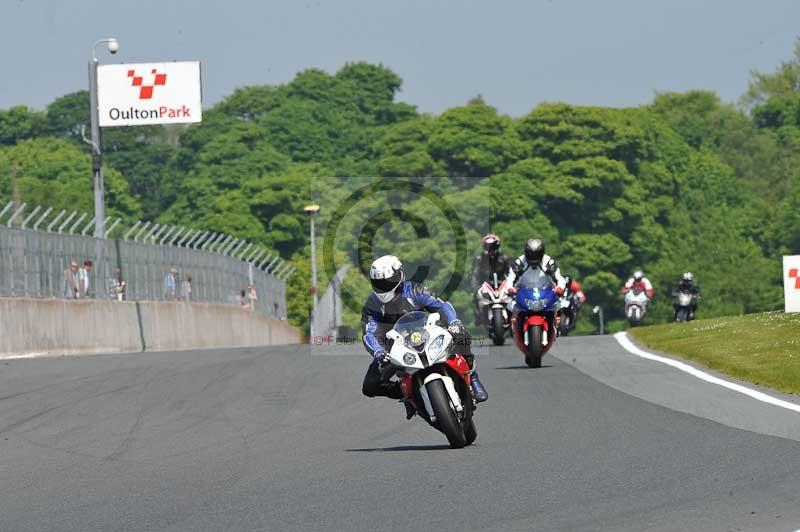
(478, 391)
(410, 410)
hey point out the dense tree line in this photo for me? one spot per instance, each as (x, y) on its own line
(685, 183)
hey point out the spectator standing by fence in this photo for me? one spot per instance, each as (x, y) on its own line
(252, 296)
(170, 285)
(186, 288)
(83, 277)
(116, 286)
(71, 282)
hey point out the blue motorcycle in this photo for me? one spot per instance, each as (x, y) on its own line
(533, 313)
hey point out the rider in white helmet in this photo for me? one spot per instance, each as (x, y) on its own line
(392, 298)
(687, 285)
(639, 283)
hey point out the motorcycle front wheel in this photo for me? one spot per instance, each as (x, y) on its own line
(533, 358)
(564, 326)
(446, 418)
(498, 327)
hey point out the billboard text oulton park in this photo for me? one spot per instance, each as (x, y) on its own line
(149, 93)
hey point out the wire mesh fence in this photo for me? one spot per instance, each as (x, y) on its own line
(140, 262)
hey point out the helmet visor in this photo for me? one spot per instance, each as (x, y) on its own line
(534, 255)
(381, 286)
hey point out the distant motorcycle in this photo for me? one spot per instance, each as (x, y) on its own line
(433, 377)
(684, 301)
(493, 299)
(535, 305)
(567, 313)
(635, 305)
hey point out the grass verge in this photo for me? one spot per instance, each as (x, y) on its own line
(760, 348)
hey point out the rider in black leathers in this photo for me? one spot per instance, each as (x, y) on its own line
(491, 261)
(687, 286)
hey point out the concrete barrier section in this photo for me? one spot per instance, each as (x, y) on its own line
(42, 327)
(61, 327)
(172, 326)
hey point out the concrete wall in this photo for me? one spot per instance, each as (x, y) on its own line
(170, 326)
(31, 327)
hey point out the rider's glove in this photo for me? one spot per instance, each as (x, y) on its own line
(456, 327)
(559, 291)
(382, 358)
(512, 291)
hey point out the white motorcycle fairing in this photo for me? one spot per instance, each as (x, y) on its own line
(636, 304)
(437, 342)
(489, 299)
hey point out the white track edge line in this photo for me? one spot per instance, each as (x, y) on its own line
(625, 342)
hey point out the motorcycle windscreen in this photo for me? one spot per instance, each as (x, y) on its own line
(412, 328)
(535, 290)
(636, 298)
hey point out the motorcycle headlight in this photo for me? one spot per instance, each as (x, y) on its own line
(409, 359)
(535, 304)
(436, 347)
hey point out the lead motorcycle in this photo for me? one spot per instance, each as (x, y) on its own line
(493, 298)
(533, 315)
(433, 377)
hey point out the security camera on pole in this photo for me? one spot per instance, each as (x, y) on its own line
(97, 155)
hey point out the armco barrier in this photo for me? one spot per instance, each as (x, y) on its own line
(31, 327)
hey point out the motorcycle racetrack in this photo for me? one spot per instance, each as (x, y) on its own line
(281, 439)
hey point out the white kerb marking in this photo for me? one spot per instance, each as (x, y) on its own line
(625, 342)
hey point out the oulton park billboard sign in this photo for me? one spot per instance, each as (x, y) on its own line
(145, 94)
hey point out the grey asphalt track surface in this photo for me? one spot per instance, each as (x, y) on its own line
(281, 439)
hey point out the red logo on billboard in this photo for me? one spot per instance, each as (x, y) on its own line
(794, 275)
(146, 91)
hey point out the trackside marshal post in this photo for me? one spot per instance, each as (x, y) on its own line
(144, 94)
(791, 282)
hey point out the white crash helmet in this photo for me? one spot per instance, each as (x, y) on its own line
(385, 275)
(688, 277)
(638, 275)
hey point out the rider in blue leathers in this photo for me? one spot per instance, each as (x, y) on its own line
(392, 298)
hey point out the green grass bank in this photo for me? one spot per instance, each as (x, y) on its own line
(763, 349)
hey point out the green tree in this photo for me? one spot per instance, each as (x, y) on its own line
(20, 123)
(782, 83)
(474, 141)
(55, 173)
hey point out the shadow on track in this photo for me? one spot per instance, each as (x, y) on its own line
(400, 448)
(524, 367)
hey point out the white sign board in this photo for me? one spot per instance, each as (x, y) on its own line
(791, 282)
(149, 93)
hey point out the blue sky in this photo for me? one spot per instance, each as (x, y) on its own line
(515, 53)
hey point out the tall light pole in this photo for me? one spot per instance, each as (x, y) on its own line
(312, 211)
(97, 155)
